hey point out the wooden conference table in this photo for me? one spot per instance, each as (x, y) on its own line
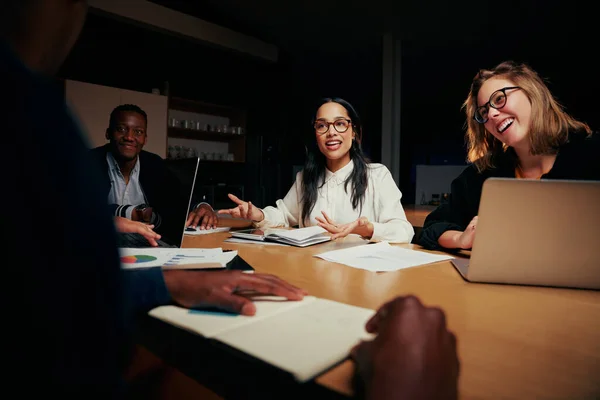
(514, 342)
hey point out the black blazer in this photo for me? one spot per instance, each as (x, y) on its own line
(163, 190)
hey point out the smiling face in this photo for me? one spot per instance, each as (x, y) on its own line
(334, 145)
(509, 124)
(127, 135)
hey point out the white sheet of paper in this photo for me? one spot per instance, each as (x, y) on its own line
(207, 231)
(381, 257)
(198, 256)
(147, 257)
(134, 258)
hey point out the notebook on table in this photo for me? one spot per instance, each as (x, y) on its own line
(304, 338)
(301, 237)
(536, 232)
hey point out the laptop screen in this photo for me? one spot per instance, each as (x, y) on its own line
(172, 226)
(174, 230)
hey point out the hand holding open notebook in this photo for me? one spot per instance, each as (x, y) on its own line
(301, 237)
(304, 338)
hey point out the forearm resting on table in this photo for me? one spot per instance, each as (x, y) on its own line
(450, 239)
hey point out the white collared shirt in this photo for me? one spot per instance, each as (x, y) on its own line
(122, 193)
(381, 204)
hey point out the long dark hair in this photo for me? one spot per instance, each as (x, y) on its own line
(313, 175)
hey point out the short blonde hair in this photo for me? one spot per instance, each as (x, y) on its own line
(550, 124)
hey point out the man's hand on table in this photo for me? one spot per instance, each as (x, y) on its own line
(413, 355)
(225, 289)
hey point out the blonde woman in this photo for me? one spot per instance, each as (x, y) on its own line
(515, 129)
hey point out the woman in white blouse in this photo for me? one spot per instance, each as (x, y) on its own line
(337, 189)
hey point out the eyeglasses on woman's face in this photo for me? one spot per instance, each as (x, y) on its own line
(497, 101)
(340, 125)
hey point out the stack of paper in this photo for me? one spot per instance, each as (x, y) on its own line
(381, 257)
(170, 258)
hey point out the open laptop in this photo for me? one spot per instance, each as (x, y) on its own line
(133, 240)
(536, 232)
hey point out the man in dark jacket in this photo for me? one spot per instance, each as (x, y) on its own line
(66, 300)
(138, 185)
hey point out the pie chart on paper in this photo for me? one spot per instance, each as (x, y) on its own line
(137, 259)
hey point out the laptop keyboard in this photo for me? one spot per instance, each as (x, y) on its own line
(135, 240)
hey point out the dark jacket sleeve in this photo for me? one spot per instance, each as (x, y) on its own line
(146, 289)
(166, 195)
(457, 213)
(68, 326)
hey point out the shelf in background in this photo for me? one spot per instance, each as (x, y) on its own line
(205, 161)
(195, 134)
(221, 161)
(237, 116)
(179, 103)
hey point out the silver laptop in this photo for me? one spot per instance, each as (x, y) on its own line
(536, 232)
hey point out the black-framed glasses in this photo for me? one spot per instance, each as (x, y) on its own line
(497, 101)
(340, 125)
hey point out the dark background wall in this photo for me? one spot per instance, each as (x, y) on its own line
(437, 68)
(436, 81)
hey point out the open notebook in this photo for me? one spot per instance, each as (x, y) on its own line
(304, 338)
(301, 237)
